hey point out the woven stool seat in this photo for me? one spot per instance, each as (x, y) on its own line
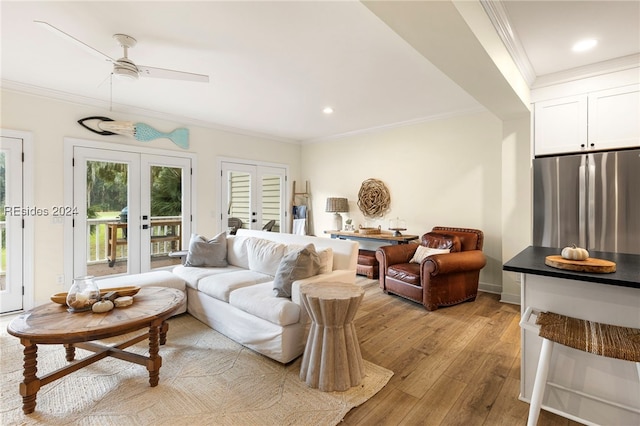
(606, 340)
(589, 336)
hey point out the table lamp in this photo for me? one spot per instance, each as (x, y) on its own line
(337, 206)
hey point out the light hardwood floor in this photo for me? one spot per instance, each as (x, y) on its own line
(454, 366)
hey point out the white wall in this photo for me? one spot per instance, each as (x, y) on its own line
(50, 121)
(446, 172)
(517, 199)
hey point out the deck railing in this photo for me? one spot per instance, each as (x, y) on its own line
(98, 240)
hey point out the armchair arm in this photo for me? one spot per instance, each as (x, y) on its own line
(464, 261)
(391, 255)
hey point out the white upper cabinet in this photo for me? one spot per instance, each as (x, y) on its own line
(606, 119)
(614, 118)
(560, 125)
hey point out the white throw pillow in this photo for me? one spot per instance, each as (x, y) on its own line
(265, 256)
(423, 252)
(237, 251)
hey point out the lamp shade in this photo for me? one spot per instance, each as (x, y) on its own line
(337, 205)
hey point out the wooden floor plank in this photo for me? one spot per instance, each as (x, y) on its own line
(453, 366)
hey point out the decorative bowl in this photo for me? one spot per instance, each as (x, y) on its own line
(61, 298)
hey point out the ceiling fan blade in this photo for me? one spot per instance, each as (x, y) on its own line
(79, 43)
(175, 75)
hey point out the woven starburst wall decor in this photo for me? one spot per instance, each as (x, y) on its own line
(373, 199)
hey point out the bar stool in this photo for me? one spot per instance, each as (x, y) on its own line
(601, 339)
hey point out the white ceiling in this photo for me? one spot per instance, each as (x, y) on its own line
(274, 66)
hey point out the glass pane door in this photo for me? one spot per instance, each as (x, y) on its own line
(271, 199)
(166, 213)
(11, 261)
(253, 197)
(107, 195)
(238, 196)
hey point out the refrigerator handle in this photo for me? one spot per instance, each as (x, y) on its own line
(582, 202)
(591, 211)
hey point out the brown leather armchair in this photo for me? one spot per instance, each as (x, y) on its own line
(440, 279)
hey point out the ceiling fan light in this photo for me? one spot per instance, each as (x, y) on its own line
(125, 73)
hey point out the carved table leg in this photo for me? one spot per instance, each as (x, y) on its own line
(155, 361)
(163, 333)
(31, 384)
(71, 352)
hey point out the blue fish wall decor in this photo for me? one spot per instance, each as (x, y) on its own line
(139, 131)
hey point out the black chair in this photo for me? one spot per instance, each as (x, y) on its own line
(269, 225)
(234, 224)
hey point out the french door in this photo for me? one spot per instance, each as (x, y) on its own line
(133, 210)
(253, 196)
(11, 229)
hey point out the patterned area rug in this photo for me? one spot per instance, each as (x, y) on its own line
(205, 378)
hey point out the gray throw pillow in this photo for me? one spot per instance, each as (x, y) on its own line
(296, 265)
(203, 252)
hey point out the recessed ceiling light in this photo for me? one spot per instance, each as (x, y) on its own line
(583, 45)
(328, 110)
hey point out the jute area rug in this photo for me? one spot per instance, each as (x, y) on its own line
(205, 378)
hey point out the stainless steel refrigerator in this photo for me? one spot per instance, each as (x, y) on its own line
(591, 200)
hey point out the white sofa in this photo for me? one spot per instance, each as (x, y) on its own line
(238, 300)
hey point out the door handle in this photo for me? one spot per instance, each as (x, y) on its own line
(145, 226)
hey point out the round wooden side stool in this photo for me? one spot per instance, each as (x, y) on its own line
(332, 360)
(589, 336)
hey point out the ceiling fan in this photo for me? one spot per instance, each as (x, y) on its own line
(125, 67)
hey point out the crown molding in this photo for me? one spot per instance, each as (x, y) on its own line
(390, 126)
(592, 70)
(500, 19)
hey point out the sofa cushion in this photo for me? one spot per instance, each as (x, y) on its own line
(203, 252)
(423, 252)
(237, 251)
(441, 241)
(259, 300)
(295, 265)
(264, 255)
(219, 286)
(193, 275)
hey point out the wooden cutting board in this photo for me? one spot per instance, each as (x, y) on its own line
(598, 266)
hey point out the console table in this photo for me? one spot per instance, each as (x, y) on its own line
(385, 237)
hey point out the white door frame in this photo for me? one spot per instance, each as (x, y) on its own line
(70, 144)
(28, 200)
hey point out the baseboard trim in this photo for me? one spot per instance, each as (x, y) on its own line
(490, 288)
(510, 298)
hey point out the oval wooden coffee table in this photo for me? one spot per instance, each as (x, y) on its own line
(51, 323)
(332, 360)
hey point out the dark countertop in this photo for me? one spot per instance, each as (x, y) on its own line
(531, 261)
